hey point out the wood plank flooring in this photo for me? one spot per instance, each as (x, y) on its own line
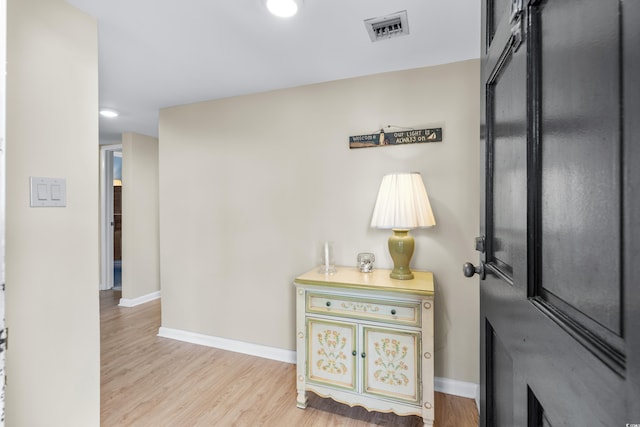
(151, 381)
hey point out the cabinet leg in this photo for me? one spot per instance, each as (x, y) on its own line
(427, 422)
(302, 399)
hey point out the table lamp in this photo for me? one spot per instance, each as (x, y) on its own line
(402, 205)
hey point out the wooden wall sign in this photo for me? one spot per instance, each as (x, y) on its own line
(382, 138)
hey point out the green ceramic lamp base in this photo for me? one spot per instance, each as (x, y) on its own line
(401, 246)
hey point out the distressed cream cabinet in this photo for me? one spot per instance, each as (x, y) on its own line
(366, 339)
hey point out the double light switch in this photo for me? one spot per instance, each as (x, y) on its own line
(48, 192)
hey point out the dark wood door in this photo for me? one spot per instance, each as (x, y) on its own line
(560, 214)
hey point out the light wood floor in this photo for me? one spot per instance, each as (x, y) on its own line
(152, 381)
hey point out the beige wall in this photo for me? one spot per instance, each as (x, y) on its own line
(250, 186)
(53, 360)
(140, 234)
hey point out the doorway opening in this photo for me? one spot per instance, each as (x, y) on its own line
(110, 217)
(117, 220)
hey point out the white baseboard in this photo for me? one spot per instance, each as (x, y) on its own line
(126, 302)
(443, 385)
(457, 388)
(258, 350)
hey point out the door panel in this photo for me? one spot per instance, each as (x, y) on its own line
(631, 197)
(560, 213)
(496, 9)
(330, 359)
(391, 364)
(580, 112)
(506, 95)
(537, 416)
(501, 382)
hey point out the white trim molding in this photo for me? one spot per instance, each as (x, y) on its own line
(281, 355)
(442, 385)
(456, 388)
(126, 302)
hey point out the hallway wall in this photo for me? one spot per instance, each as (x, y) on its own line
(250, 186)
(140, 230)
(52, 274)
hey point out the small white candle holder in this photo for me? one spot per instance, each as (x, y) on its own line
(327, 263)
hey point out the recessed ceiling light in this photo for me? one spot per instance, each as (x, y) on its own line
(283, 8)
(109, 113)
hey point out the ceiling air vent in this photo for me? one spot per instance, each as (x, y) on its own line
(389, 26)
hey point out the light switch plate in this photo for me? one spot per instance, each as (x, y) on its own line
(47, 192)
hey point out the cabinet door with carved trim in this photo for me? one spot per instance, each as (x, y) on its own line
(331, 354)
(391, 367)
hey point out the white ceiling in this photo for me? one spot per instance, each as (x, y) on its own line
(160, 53)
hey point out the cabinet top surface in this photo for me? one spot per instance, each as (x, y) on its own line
(377, 280)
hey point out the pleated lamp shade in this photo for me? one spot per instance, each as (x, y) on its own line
(402, 203)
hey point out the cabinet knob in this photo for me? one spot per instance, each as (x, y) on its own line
(393, 311)
(355, 353)
(363, 355)
(328, 303)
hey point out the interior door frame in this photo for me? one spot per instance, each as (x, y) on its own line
(106, 214)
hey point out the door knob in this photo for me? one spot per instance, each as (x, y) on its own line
(469, 270)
